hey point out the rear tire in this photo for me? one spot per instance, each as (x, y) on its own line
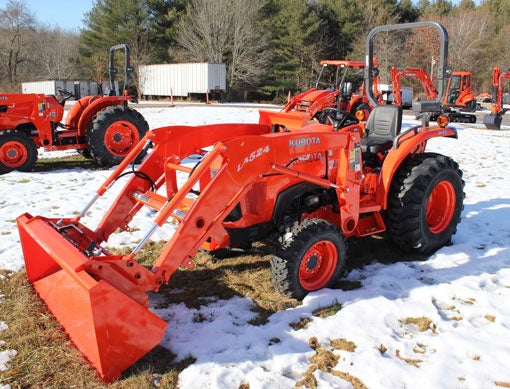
(113, 133)
(425, 203)
(312, 257)
(17, 152)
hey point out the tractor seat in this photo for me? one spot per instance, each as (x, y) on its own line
(382, 126)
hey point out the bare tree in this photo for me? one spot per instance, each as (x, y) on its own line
(467, 31)
(247, 64)
(204, 32)
(17, 28)
(58, 60)
(225, 31)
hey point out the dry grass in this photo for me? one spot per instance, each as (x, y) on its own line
(423, 323)
(343, 344)
(67, 162)
(410, 361)
(327, 311)
(325, 360)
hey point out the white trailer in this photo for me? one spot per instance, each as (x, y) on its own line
(51, 87)
(47, 87)
(182, 79)
(407, 95)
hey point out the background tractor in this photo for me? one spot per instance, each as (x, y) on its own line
(303, 191)
(339, 85)
(100, 127)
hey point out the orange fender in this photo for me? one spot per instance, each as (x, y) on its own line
(410, 142)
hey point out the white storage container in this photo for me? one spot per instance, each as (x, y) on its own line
(182, 79)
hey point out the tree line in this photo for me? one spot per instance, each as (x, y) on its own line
(270, 47)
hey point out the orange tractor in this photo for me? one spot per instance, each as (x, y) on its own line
(493, 120)
(303, 191)
(101, 127)
(339, 86)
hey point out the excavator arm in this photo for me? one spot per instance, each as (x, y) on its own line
(494, 119)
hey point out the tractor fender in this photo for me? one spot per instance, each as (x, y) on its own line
(409, 143)
(83, 111)
(287, 196)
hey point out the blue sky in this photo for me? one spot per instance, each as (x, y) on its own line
(65, 14)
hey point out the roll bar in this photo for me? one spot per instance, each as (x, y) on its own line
(444, 71)
(128, 69)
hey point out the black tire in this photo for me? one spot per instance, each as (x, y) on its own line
(113, 133)
(425, 203)
(311, 257)
(17, 152)
(85, 153)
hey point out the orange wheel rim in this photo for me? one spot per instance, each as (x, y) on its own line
(440, 207)
(318, 265)
(13, 154)
(121, 137)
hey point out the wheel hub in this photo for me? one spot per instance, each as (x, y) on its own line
(120, 137)
(440, 207)
(312, 262)
(13, 154)
(317, 265)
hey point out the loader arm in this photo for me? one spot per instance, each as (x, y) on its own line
(243, 161)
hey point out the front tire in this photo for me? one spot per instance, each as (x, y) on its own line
(312, 257)
(425, 203)
(17, 152)
(113, 133)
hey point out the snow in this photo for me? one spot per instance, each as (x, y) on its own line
(462, 289)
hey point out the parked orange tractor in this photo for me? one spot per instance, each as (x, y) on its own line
(101, 127)
(339, 85)
(303, 191)
(493, 120)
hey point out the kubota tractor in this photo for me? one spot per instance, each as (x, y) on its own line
(101, 127)
(304, 191)
(339, 85)
(493, 120)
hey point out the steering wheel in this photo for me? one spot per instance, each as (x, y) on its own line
(338, 117)
(64, 95)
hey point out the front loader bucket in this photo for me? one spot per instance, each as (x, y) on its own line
(492, 121)
(111, 329)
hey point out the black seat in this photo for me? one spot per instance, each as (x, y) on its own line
(382, 126)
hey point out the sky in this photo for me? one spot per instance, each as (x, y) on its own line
(462, 290)
(65, 14)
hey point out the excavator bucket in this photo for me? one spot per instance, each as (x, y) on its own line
(110, 328)
(492, 121)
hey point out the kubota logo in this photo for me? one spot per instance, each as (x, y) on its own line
(253, 156)
(301, 142)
